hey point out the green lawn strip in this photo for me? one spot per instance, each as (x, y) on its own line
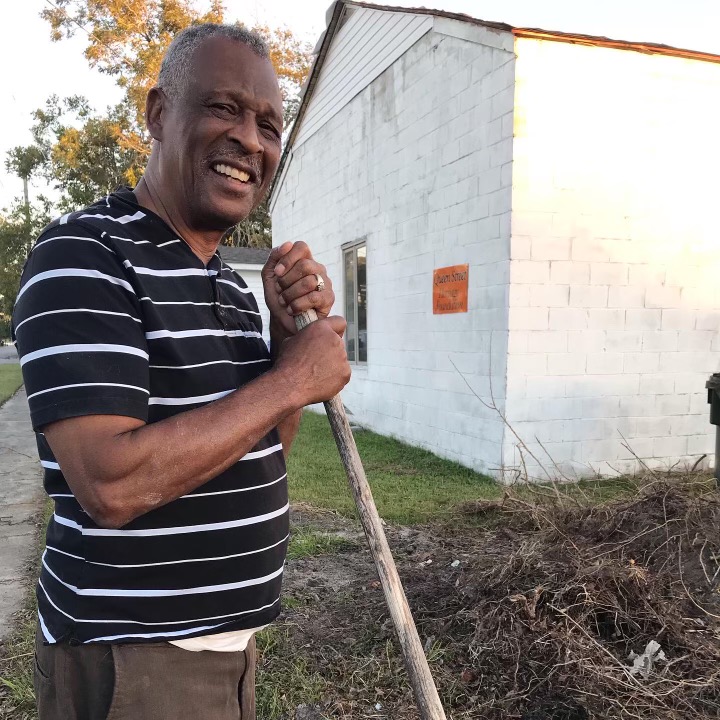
(17, 697)
(409, 485)
(10, 381)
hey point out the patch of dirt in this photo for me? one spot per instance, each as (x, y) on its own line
(534, 619)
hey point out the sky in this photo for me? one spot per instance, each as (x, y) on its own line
(35, 68)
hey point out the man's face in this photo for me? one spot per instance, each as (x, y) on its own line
(221, 140)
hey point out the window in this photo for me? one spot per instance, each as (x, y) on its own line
(356, 302)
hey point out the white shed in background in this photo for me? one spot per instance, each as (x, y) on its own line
(520, 225)
(248, 263)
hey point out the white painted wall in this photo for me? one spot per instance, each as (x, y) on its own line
(251, 274)
(615, 300)
(419, 164)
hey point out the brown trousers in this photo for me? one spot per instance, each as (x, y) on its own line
(155, 681)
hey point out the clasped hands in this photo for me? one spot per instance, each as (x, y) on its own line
(316, 355)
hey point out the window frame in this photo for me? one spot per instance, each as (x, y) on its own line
(352, 247)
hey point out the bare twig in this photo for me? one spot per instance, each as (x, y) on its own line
(502, 416)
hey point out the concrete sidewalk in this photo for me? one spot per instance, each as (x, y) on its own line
(8, 355)
(21, 498)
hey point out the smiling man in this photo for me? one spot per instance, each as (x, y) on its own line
(162, 419)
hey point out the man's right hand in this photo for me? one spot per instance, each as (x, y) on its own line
(315, 360)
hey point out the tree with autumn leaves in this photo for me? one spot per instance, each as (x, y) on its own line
(84, 154)
(127, 40)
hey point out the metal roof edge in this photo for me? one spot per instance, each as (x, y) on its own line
(560, 36)
(462, 17)
(600, 41)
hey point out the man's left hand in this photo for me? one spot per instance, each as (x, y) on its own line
(290, 280)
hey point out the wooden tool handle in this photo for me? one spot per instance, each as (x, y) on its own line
(426, 694)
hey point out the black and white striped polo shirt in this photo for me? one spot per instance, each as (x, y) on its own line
(117, 316)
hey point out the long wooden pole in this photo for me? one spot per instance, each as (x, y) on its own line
(426, 694)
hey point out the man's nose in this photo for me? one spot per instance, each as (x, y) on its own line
(245, 132)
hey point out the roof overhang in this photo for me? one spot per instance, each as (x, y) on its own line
(336, 11)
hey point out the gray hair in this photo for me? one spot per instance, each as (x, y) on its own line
(177, 63)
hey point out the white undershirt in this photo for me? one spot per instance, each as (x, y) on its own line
(235, 641)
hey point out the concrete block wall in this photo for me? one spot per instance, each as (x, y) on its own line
(418, 164)
(614, 298)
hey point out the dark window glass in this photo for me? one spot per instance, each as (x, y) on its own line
(356, 303)
(351, 332)
(361, 266)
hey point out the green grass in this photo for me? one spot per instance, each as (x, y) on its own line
(409, 485)
(308, 542)
(298, 683)
(10, 381)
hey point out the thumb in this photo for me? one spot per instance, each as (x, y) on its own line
(276, 254)
(337, 323)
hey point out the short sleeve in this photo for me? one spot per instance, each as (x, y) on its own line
(78, 329)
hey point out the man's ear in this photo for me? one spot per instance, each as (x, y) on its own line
(155, 107)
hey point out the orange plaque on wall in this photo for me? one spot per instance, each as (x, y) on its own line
(450, 289)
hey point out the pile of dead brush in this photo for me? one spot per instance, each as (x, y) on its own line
(556, 609)
(575, 611)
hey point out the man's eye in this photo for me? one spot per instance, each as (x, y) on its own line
(222, 108)
(271, 130)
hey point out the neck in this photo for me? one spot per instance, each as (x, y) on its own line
(148, 194)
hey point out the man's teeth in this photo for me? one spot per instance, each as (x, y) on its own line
(232, 172)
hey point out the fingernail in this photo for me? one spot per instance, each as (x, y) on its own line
(281, 300)
(279, 269)
(290, 311)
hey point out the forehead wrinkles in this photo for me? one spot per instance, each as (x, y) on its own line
(219, 62)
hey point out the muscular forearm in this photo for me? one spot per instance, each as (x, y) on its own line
(125, 474)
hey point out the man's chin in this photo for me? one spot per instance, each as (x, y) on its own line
(221, 216)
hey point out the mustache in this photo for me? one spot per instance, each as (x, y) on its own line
(252, 162)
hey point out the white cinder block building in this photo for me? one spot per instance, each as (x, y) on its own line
(574, 176)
